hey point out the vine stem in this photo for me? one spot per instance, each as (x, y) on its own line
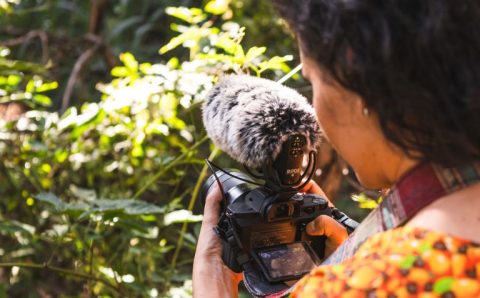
(168, 167)
(64, 271)
(290, 74)
(193, 199)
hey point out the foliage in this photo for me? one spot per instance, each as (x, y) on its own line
(20, 82)
(61, 31)
(365, 202)
(6, 5)
(96, 193)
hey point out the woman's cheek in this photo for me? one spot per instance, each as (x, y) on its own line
(325, 118)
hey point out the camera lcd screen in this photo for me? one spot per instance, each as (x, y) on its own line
(286, 262)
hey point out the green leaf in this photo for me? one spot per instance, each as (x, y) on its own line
(137, 151)
(83, 194)
(173, 62)
(47, 86)
(365, 202)
(190, 34)
(168, 104)
(149, 218)
(276, 63)
(22, 66)
(4, 52)
(254, 52)
(68, 118)
(189, 38)
(127, 206)
(14, 80)
(22, 252)
(12, 226)
(217, 7)
(176, 123)
(61, 155)
(30, 86)
(178, 28)
(50, 198)
(119, 71)
(149, 233)
(227, 44)
(58, 204)
(189, 15)
(129, 60)
(42, 100)
(56, 230)
(134, 226)
(181, 216)
(46, 168)
(216, 57)
(443, 285)
(89, 112)
(145, 67)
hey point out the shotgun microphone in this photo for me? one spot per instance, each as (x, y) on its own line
(251, 119)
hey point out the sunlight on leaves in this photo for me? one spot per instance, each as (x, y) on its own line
(365, 202)
(180, 216)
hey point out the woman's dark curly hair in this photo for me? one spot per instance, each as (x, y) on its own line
(414, 62)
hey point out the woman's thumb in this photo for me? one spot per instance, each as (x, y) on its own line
(326, 226)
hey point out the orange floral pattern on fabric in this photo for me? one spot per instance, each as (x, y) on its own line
(405, 262)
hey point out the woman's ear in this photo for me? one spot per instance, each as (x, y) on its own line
(360, 110)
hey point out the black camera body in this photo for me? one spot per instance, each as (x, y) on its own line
(263, 228)
(257, 223)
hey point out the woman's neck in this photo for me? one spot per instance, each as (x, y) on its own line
(457, 214)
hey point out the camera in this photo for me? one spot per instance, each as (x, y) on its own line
(262, 225)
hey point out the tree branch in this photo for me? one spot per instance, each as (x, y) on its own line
(64, 271)
(77, 69)
(42, 35)
(97, 12)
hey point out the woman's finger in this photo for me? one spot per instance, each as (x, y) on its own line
(209, 245)
(313, 188)
(327, 226)
(211, 211)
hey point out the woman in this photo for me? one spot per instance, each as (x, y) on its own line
(397, 93)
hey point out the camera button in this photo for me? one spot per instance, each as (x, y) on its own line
(298, 198)
(309, 210)
(322, 203)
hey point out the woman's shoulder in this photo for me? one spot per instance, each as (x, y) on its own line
(404, 262)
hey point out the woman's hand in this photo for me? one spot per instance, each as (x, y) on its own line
(313, 188)
(211, 278)
(325, 225)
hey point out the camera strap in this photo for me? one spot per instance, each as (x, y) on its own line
(417, 189)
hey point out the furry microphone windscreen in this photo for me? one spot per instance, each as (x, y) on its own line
(249, 118)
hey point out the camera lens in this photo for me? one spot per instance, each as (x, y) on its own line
(235, 187)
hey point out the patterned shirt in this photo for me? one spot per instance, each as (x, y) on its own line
(404, 262)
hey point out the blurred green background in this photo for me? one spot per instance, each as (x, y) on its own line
(101, 140)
